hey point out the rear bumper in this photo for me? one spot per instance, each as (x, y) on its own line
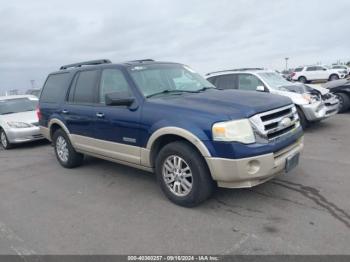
(22, 135)
(252, 171)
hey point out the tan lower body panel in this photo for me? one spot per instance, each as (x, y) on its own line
(252, 171)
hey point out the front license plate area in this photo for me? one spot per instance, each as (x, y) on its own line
(292, 162)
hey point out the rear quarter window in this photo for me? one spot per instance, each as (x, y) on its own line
(55, 88)
(299, 69)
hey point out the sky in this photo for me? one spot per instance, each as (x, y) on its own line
(37, 37)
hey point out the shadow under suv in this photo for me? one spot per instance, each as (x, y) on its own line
(164, 117)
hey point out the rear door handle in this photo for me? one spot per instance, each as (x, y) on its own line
(65, 111)
(100, 115)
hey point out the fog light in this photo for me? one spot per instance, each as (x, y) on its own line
(253, 166)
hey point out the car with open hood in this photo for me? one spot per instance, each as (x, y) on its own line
(312, 105)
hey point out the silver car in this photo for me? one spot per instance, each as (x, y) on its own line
(18, 120)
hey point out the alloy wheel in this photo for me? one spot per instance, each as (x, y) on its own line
(177, 175)
(62, 149)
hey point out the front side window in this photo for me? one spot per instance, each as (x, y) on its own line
(167, 78)
(248, 82)
(112, 81)
(85, 87)
(18, 105)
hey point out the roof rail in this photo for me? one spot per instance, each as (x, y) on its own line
(237, 69)
(141, 60)
(92, 62)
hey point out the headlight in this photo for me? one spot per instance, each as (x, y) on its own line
(311, 98)
(18, 125)
(236, 130)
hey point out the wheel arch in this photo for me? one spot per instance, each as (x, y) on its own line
(167, 135)
(56, 124)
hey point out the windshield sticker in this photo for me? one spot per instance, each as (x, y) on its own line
(138, 68)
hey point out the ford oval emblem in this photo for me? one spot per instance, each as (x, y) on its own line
(285, 122)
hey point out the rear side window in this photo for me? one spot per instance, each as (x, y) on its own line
(311, 68)
(55, 88)
(225, 82)
(85, 87)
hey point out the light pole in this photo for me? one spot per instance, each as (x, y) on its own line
(287, 58)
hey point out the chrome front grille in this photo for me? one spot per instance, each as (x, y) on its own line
(275, 123)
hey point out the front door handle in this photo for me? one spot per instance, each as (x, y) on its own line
(65, 111)
(100, 115)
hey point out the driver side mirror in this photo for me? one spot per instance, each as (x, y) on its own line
(119, 99)
(260, 88)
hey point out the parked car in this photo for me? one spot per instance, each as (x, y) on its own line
(18, 120)
(340, 88)
(34, 92)
(164, 117)
(342, 67)
(312, 105)
(306, 74)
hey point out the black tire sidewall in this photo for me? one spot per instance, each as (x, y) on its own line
(8, 146)
(345, 102)
(302, 79)
(200, 174)
(73, 157)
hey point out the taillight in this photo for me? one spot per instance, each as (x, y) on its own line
(293, 74)
(38, 113)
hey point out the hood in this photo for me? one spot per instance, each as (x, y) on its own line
(321, 89)
(336, 83)
(233, 103)
(26, 117)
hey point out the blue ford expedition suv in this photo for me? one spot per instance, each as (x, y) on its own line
(164, 117)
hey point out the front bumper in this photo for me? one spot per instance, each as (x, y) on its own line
(22, 135)
(252, 171)
(320, 110)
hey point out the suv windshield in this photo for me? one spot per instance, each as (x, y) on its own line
(167, 78)
(17, 105)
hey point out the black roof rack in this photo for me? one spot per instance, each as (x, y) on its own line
(141, 61)
(237, 69)
(92, 62)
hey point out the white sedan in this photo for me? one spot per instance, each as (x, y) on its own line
(18, 120)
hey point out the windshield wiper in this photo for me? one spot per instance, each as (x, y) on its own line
(168, 91)
(7, 113)
(206, 88)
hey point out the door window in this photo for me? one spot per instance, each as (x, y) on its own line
(85, 87)
(225, 82)
(112, 81)
(249, 82)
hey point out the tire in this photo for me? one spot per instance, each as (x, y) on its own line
(5, 143)
(303, 121)
(302, 79)
(65, 153)
(344, 102)
(183, 174)
(333, 77)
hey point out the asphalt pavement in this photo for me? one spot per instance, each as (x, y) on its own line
(106, 208)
